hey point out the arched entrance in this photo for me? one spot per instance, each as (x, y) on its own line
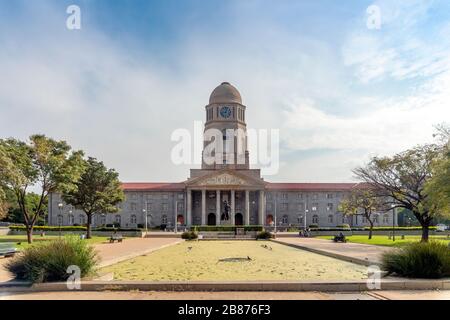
(180, 219)
(238, 219)
(211, 219)
(269, 220)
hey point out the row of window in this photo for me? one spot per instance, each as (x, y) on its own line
(165, 196)
(164, 207)
(300, 206)
(102, 219)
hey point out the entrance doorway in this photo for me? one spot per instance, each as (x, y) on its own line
(211, 219)
(238, 219)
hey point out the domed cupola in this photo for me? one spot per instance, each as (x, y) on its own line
(225, 93)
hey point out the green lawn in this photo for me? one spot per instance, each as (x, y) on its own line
(20, 241)
(385, 241)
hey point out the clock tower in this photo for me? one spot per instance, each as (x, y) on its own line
(225, 124)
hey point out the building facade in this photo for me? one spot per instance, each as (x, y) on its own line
(225, 192)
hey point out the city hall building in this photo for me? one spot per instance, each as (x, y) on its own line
(222, 193)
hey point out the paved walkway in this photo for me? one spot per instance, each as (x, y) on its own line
(266, 295)
(111, 253)
(359, 253)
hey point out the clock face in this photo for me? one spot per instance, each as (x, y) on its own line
(225, 112)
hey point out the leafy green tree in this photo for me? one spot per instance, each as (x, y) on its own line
(401, 180)
(364, 201)
(438, 187)
(15, 214)
(42, 163)
(98, 191)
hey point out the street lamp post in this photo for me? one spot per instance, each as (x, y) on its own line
(276, 199)
(393, 222)
(176, 217)
(60, 207)
(145, 218)
(304, 221)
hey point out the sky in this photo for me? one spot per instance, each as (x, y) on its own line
(339, 90)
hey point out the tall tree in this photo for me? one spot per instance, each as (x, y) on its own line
(364, 201)
(438, 187)
(401, 180)
(98, 191)
(44, 164)
(4, 205)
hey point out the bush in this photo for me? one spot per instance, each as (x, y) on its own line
(264, 235)
(48, 261)
(313, 226)
(189, 235)
(419, 260)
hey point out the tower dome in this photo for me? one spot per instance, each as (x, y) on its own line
(225, 93)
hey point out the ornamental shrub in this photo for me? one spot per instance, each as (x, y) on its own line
(264, 235)
(429, 260)
(189, 235)
(48, 261)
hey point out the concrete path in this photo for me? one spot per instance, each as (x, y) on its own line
(111, 253)
(266, 295)
(354, 252)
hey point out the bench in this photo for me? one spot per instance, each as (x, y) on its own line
(7, 250)
(340, 238)
(117, 237)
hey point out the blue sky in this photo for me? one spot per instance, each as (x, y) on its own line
(137, 70)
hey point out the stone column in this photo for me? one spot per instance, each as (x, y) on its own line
(232, 207)
(189, 208)
(247, 208)
(203, 207)
(217, 207)
(261, 208)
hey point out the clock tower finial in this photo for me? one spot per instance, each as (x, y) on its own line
(225, 113)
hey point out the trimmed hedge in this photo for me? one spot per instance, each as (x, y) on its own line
(225, 228)
(398, 228)
(49, 228)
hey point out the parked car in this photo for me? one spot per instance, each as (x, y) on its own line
(441, 227)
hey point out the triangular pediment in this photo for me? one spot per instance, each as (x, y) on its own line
(225, 178)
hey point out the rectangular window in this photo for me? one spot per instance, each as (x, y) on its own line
(300, 206)
(133, 206)
(165, 196)
(315, 207)
(329, 207)
(165, 207)
(329, 196)
(284, 207)
(284, 196)
(180, 196)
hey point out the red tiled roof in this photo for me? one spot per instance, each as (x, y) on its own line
(171, 186)
(311, 186)
(152, 186)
